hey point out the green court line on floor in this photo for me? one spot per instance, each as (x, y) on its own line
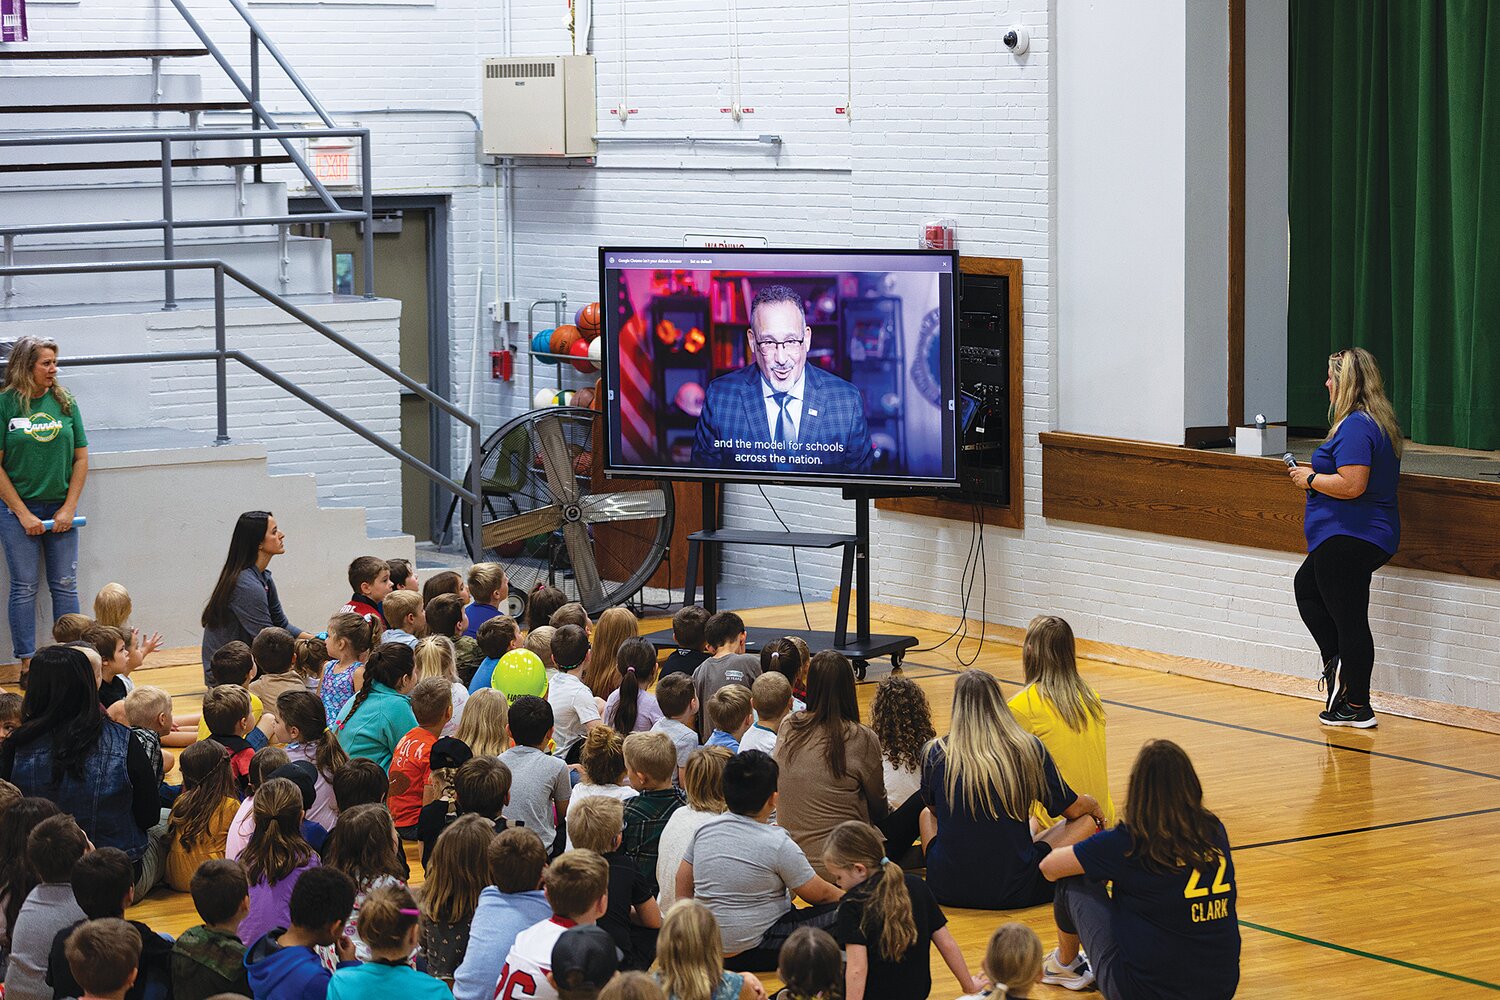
(1371, 955)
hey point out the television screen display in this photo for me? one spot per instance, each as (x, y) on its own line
(816, 366)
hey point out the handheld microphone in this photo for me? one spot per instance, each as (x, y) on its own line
(1291, 463)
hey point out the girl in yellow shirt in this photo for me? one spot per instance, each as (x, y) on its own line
(202, 814)
(1060, 709)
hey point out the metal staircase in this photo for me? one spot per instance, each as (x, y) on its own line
(185, 157)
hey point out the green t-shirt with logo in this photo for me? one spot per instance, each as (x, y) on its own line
(39, 446)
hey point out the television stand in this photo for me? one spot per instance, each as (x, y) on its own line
(703, 546)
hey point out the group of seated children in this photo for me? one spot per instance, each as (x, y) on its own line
(624, 820)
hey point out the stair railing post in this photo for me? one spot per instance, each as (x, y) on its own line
(476, 509)
(10, 261)
(367, 205)
(168, 237)
(221, 374)
(255, 95)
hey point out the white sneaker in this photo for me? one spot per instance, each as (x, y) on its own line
(1077, 976)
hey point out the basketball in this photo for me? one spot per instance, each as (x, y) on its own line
(541, 343)
(564, 337)
(519, 672)
(580, 352)
(588, 320)
(584, 397)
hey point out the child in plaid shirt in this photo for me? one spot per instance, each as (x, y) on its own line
(650, 760)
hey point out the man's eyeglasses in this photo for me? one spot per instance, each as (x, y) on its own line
(768, 348)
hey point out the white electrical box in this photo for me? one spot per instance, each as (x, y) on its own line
(539, 106)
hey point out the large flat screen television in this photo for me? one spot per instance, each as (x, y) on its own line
(781, 366)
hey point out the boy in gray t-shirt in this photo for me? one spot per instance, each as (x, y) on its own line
(539, 784)
(745, 870)
(728, 663)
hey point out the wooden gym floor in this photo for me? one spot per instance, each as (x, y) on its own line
(1366, 859)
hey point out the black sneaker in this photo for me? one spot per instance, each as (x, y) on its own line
(1328, 683)
(1344, 714)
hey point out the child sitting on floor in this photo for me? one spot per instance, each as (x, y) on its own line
(233, 666)
(226, 714)
(1012, 963)
(209, 959)
(112, 607)
(731, 713)
(198, 828)
(432, 706)
(888, 921)
(650, 761)
(273, 650)
(284, 964)
(389, 933)
(403, 610)
(370, 580)
(350, 639)
(364, 846)
(771, 696)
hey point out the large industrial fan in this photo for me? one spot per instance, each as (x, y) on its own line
(549, 517)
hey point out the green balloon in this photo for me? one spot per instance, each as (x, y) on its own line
(519, 672)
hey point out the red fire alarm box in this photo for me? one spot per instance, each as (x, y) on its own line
(502, 365)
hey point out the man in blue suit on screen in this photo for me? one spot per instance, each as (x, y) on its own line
(781, 413)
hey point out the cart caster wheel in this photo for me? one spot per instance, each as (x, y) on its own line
(896, 659)
(861, 668)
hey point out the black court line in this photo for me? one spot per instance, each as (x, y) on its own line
(1365, 829)
(1259, 732)
(1388, 960)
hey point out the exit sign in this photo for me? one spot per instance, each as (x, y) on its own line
(334, 161)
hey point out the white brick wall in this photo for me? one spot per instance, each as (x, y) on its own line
(945, 123)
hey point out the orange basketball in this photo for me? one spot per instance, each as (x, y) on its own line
(564, 337)
(584, 397)
(588, 321)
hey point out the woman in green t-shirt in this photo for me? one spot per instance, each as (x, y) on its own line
(44, 460)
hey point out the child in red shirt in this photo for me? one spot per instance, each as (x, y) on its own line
(432, 704)
(370, 581)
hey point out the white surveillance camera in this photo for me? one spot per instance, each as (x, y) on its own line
(1017, 39)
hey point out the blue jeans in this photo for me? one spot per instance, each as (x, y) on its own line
(23, 555)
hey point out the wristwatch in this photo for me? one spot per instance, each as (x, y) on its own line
(1310, 477)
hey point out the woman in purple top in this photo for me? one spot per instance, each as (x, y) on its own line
(1352, 527)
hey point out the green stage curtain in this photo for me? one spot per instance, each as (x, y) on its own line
(1394, 208)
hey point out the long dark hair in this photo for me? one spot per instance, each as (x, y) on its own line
(636, 661)
(390, 662)
(17, 877)
(363, 846)
(244, 550)
(62, 703)
(207, 781)
(832, 708)
(276, 847)
(1164, 810)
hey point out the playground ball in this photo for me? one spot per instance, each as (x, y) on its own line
(596, 351)
(541, 342)
(544, 397)
(588, 320)
(580, 351)
(519, 672)
(689, 399)
(565, 398)
(563, 338)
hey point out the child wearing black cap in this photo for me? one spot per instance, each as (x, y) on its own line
(583, 961)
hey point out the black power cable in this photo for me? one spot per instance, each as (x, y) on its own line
(795, 568)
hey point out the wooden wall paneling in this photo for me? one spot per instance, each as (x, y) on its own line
(1447, 525)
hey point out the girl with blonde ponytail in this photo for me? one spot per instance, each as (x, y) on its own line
(886, 920)
(980, 783)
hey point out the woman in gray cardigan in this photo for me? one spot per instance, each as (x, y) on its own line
(244, 600)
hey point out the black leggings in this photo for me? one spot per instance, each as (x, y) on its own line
(1333, 596)
(763, 957)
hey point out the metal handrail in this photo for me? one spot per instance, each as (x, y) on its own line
(221, 355)
(258, 36)
(168, 224)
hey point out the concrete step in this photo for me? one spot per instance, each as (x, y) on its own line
(130, 84)
(161, 506)
(309, 270)
(40, 206)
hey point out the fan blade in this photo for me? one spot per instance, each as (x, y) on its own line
(624, 506)
(557, 462)
(519, 526)
(585, 569)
